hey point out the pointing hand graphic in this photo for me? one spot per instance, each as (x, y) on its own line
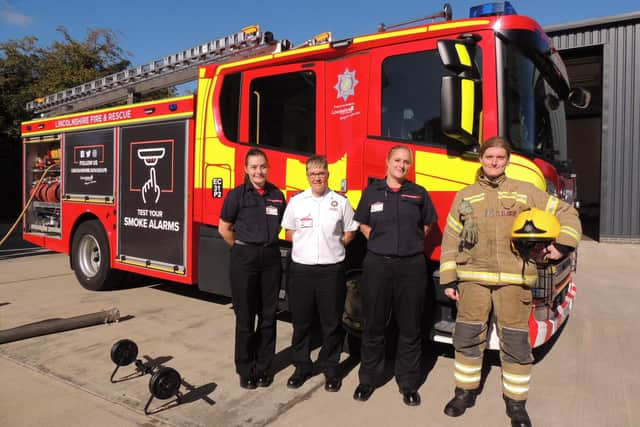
(150, 189)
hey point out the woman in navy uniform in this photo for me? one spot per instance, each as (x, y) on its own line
(250, 223)
(395, 215)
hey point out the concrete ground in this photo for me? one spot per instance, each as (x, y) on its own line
(588, 378)
(14, 246)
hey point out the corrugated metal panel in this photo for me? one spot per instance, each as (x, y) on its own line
(620, 189)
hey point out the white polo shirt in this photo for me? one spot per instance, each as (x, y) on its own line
(319, 223)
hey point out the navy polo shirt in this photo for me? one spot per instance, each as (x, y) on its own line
(397, 219)
(256, 218)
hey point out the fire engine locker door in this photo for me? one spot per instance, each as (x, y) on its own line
(282, 114)
(153, 196)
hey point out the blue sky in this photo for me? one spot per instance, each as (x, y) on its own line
(148, 30)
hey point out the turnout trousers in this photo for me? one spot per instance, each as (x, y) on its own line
(511, 307)
(317, 291)
(398, 284)
(255, 281)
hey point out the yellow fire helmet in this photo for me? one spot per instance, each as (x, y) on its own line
(532, 230)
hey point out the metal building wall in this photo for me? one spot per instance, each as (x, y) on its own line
(620, 187)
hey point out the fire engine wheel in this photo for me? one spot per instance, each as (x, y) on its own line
(90, 257)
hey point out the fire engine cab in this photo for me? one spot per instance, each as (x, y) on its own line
(139, 187)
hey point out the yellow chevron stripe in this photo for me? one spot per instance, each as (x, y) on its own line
(441, 172)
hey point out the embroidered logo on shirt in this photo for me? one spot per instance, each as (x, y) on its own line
(411, 196)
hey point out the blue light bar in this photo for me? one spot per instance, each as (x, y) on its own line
(492, 9)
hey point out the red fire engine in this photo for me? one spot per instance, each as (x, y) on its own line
(139, 188)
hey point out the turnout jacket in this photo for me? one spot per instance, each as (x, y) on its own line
(495, 204)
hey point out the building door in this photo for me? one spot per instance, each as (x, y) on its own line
(584, 134)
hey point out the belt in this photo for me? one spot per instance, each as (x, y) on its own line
(318, 265)
(260, 245)
(395, 256)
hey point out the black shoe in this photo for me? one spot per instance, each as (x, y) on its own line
(264, 379)
(517, 412)
(363, 392)
(297, 379)
(248, 382)
(462, 400)
(411, 398)
(332, 384)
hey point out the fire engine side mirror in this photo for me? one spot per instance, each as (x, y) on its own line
(457, 56)
(580, 98)
(460, 108)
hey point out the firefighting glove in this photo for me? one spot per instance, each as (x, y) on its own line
(469, 233)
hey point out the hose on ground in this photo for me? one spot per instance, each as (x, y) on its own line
(52, 326)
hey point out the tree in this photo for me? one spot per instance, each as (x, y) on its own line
(28, 71)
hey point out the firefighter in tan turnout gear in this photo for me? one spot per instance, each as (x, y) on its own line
(481, 270)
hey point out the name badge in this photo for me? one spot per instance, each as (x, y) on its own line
(272, 210)
(377, 207)
(306, 222)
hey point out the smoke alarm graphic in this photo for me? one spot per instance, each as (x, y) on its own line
(150, 191)
(150, 156)
(151, 166)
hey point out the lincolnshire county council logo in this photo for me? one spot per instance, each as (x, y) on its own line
(346, 84)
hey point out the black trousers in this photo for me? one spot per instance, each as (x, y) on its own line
(398, 284)
(317, 291)
(255, 282)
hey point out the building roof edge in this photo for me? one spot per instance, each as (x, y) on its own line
(608, 21)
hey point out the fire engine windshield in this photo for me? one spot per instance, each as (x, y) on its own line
(533, 116)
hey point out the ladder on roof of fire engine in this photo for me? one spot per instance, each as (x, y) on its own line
(169, 71)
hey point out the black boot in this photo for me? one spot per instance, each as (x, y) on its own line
(462, 400)
(517, 412)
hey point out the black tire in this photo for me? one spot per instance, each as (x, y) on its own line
(165, 383)
(124, 352)
(90, 258)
